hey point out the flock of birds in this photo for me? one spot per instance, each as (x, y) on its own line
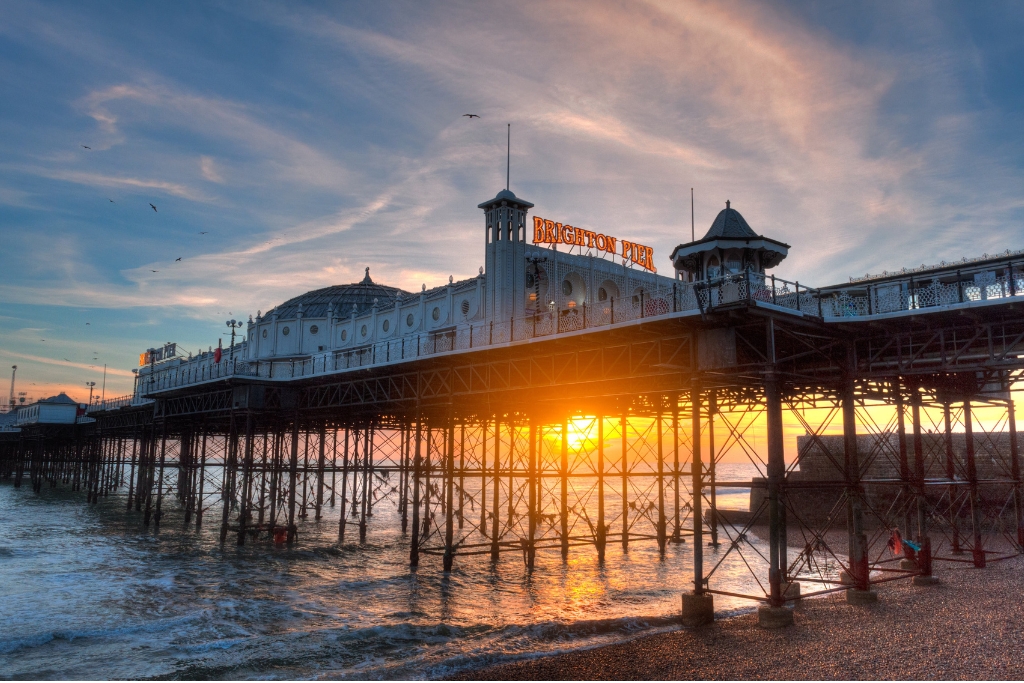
(152, 206)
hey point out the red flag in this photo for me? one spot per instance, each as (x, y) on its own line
(216, 355)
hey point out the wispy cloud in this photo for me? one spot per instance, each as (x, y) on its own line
(117, 372)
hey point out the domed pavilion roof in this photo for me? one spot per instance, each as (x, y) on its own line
(360, 294)
(729, 224)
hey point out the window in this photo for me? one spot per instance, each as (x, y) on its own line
(285, 331)
(529, 280)
(566, 288)
(602, 294)
(436, 313)
(344, 335)
(363, 330)
(387, 325)
(409, 320)
(465, 307)
(264, 334)
(313, 329)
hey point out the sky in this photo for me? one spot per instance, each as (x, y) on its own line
(287, 147)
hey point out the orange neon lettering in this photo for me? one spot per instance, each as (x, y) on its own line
(602, 242)
(550, 235)
(650, 259)
(567, 234)
(538, 229)
(581, 237)
(610, 244)
(626, 248)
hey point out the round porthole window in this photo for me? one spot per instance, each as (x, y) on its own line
(408, 320)
(602, 294)
(387, 325)
(285, 331)
(313, 329)
(566, 288)
(264, 334)
(465, 307)
(436, 313)
(344, 335)
(363, 330)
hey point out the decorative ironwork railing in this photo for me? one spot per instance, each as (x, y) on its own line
(118, 402)
(744, 289)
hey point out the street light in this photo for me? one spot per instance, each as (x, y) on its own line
(90, 385)
(234, 325)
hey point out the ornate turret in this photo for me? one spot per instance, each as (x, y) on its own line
(729, 246)
(505, 261)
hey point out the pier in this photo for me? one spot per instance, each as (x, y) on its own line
(495, 422)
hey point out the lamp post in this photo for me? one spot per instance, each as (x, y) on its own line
(234, 325)
(90, 385)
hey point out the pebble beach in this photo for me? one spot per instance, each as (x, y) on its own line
(969, 626)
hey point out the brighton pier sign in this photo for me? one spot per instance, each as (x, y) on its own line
(550, 232)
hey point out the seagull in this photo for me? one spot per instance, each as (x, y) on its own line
(111, 200)
(88, 323)
(472, 116)
(177, 259)
(154, 208)
(70, 361)
(154, 271)
(86, 147)
(203, 232)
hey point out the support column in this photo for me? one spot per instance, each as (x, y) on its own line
(978, 548)
(624, 422)
(564, 477)
(449, 521)
(860, 592)
(662, 535)
(245, 510)
(698, 606)
(712, 462)
(924, 559)
(1018, 503)
(414, 546)
(293, 472)
(343, 501)
(774, 614)
(497, 490)
(202, 480)
(462, 472)
(321, 467)
(907, 487)
(483, 479)
(677, 531)
(602, 528)
(531, 549)
(954, 492)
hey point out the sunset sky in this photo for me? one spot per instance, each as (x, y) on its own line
(286, 148)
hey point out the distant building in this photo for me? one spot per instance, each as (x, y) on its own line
(59, 409)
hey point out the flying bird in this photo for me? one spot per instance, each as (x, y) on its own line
(88, 323)
(177, 259)
(203, 232)
(154, 208)
(472, 116)
(154, 271)
(86, 147)
(111, 200)
(70, 361)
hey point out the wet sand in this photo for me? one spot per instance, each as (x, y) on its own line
(970, 626)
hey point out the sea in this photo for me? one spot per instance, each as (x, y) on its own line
(86, 592)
